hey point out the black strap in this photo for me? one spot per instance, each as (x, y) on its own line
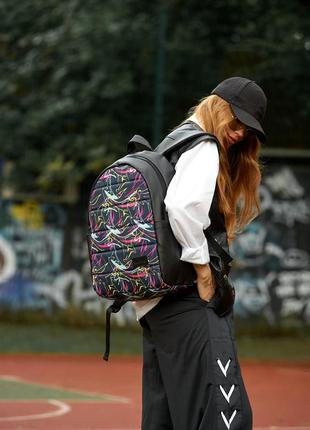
(226, 258)
(182, 135)
(114, 308)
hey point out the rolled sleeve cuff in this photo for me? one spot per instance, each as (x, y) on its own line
(196, 255)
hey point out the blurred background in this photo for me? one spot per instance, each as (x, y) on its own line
(77, 80)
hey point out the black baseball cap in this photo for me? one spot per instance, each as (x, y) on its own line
(247, 101)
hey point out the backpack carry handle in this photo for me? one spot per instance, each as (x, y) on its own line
(138, 143)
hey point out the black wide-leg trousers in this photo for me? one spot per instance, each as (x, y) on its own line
(191, 374)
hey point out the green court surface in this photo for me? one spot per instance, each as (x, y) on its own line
(15, 389)
(265, 344)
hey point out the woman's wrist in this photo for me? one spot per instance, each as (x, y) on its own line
(203, 271)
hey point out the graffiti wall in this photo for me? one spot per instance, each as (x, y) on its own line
(31, 249)
(44, 258)
(272, 267)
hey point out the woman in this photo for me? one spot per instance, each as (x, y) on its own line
(191, 375)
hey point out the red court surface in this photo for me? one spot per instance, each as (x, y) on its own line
(279, 393)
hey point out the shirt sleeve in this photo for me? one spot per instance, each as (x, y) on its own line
(189, 197)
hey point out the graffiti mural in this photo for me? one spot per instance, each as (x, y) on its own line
(44, 256)
(32, 270)
(272, 264)
(31, 250)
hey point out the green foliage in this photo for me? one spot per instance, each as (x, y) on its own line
(69, 78)
(77, 78)
(268, 41)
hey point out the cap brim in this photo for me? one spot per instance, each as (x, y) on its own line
(249, 121)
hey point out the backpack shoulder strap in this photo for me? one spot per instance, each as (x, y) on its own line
(181, 136)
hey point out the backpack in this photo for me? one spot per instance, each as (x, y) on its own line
(132, 250)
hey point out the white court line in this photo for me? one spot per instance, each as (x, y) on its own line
(62, 409)
(11, 378)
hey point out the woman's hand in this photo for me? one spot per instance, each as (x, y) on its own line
(205, 281)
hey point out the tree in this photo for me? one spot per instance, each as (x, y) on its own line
(77, 78)
(265, 40)
(70, 86)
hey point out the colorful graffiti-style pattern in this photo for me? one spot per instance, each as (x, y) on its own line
(122, 231)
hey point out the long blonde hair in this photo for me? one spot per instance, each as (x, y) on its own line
(239, 173)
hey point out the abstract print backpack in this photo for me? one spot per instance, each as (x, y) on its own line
(133, 252)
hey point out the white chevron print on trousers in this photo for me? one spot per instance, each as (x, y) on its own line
(227, 396)
(223, 369)
(230, 419)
